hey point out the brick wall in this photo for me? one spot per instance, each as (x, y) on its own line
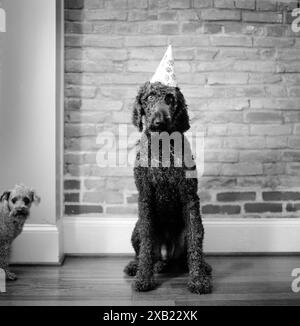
(237, 63)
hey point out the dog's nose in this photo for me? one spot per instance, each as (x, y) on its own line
(157, 122)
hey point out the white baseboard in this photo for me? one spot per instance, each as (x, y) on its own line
(111, 235)
(38, 244)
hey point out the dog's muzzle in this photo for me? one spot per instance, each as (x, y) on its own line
(160, 119)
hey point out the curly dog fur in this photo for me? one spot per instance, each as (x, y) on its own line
(14, 211)
(169, 209)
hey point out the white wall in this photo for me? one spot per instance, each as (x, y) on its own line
(28, 102)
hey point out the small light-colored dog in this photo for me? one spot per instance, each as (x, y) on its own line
(14, 211)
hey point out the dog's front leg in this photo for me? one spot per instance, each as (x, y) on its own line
(144, 280)
(4, 261)
(200, 278)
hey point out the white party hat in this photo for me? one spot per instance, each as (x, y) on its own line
(165, 72)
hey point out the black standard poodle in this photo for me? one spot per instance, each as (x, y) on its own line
(169, 230)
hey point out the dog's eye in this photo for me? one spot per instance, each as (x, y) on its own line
(169, 99)
(150, 98)
(26, 201)
(14, 200)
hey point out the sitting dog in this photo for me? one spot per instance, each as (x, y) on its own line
(14, 211)
(169, 213)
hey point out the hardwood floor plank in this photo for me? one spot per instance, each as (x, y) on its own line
(101, 282)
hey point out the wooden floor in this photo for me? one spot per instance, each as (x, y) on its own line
(100, 281)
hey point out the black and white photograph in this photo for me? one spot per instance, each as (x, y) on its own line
(149, 155)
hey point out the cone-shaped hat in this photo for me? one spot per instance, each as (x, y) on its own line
(165, 72)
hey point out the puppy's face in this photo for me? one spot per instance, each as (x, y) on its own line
(19, 200)
(158, 104)
(161, 107)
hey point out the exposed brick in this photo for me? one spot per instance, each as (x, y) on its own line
(275, 103)
(123, 210)
(93, 4)
(80, 91)
(294, 91)
(256, 78)
(76, 130)
(270, 130)
(266, 5)
(109, 197)
(220, 14)
(277, 142)
(212, 28)
(222, 40)
(187, 15)
(146, 41)
(212, 169)
(245, 4)
(244, 142)
(288, 54)
(274, 168)
(288, 67)
(291, 156)
(102, 14)
(236, 196)
(71, 197)
(115, 4)
(294, 142)
(263, 117)
(183, 41)
(74, 4)
(132, 199)
(221, 156)
(137, 4)
(263, 208)
(227, 78)
(224, 4)
(154, 4)
(202, 3)
(72, 184)
(179, 4)
(205, 196)
(293, 207)
(74, 15)
(281, 196)
(237, 62)
(169, 28)
(262, 17)
(83, 209)
(293, 169)
(255, 66)
(78, 28)
(273, 42)
(225, 209)
(242, 169)
(263, 156)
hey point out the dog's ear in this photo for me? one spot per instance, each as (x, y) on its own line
(138, 111)
(34, 197)
(181, 120)
(5, 196)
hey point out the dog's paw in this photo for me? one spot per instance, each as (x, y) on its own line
(11, 276)
(142, 285)
(200, 285)
(131, 268)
